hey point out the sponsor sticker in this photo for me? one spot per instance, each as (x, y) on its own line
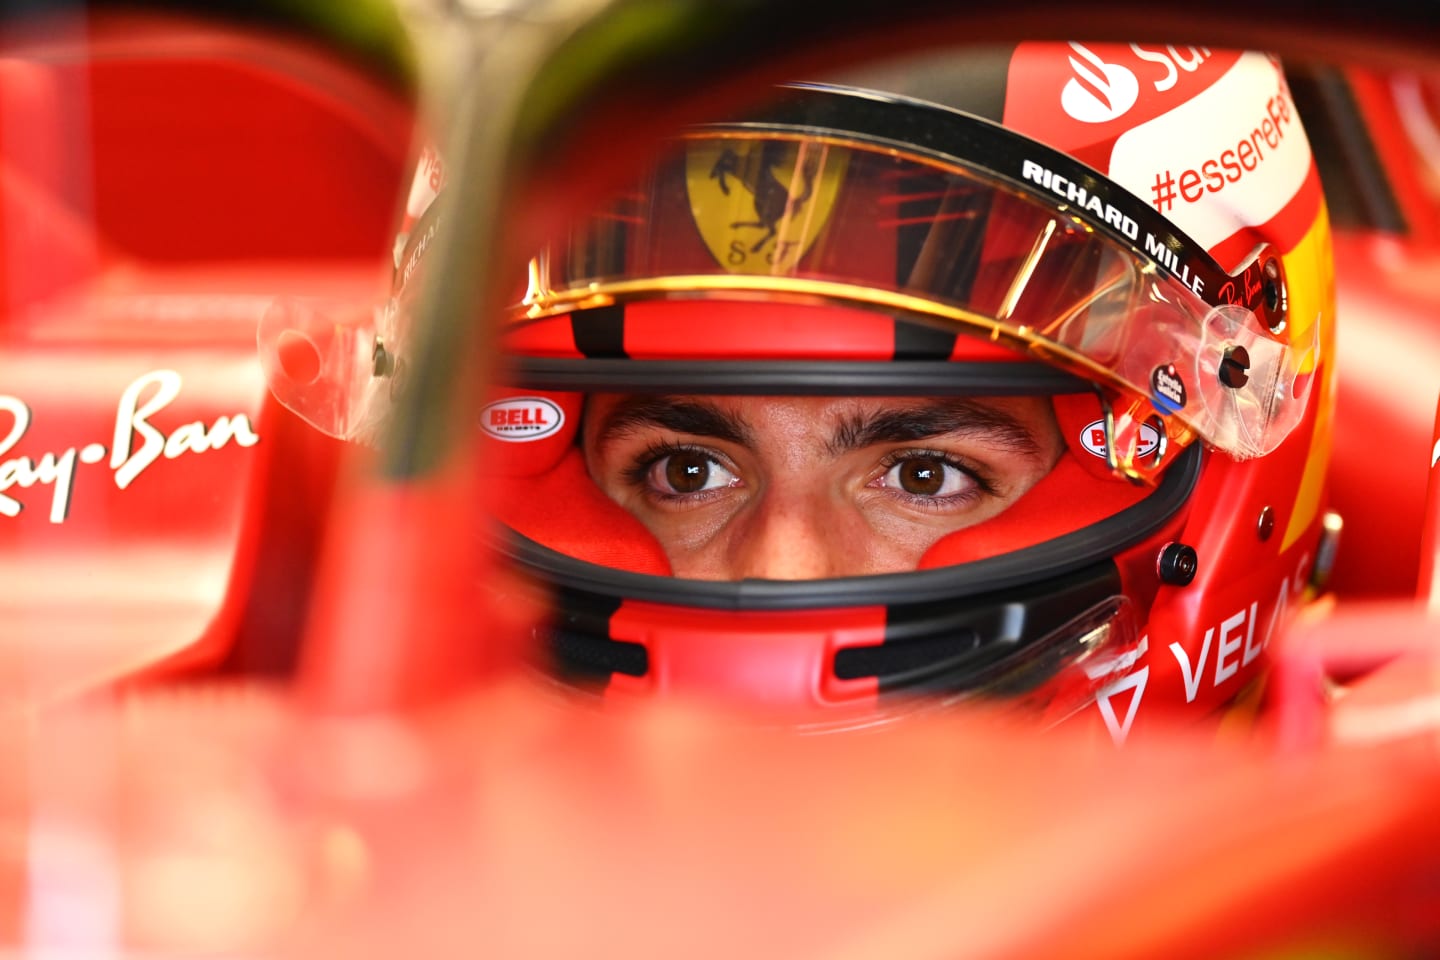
(145, 397)
(1231, 157)
(521, 419)
(1080, 97)
(1092, 438)
(1167, 390)
(1098, 91)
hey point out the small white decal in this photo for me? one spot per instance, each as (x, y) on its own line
(1120, 728)
(1092, 438)
(520, 419)
(1099, 91)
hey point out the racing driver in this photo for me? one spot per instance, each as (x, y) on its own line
(994, 374)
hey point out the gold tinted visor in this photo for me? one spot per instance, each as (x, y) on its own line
(1039, 258)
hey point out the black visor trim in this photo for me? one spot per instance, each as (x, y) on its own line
(1053, 558)
(860, 378)
(919, 341)
(600, 331)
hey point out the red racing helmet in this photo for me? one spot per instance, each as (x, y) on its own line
(1130, 239)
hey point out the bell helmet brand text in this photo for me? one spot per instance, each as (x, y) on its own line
(1093, 439)
(520, 419)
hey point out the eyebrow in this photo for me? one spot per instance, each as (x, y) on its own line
(940, 417)
(673, 413)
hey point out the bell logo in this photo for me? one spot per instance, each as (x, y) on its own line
(1099, 91)
(521, 419)
(1092, 438)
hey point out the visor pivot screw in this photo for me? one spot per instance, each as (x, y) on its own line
(381, 363)
(1177, 564)
(1233, 367)
(1266, 526)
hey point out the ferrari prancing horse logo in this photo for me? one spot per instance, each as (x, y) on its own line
(760, 204)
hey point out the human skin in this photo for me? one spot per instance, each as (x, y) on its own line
(792, 488)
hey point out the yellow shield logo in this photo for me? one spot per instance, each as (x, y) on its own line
(761, 204)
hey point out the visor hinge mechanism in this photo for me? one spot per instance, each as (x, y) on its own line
(1234, 367)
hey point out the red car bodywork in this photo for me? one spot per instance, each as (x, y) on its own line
(164, 181)
(1387, 254)
(167, 533)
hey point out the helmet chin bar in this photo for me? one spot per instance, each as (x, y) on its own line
(1007, 644)
(1012, 625)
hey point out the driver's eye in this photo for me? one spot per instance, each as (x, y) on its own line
(922, 476)
(688, 471)
(925, 476)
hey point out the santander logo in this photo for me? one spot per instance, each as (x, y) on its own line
(1099, 91)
